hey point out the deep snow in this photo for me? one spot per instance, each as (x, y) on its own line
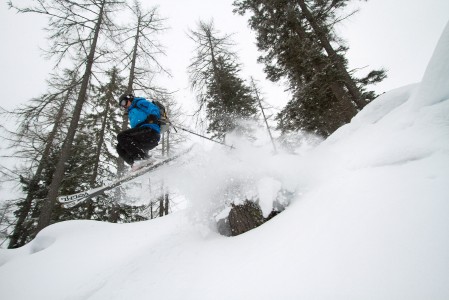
(367, 218)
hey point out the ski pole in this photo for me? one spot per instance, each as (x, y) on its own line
(202, 136)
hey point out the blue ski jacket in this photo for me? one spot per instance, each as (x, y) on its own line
(138, 112)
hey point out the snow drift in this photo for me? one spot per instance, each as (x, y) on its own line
(367, 219)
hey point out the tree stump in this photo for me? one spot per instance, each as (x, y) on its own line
(241, 218)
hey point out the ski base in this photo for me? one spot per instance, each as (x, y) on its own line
(69, 201)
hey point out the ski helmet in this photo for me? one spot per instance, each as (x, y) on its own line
(124, 99)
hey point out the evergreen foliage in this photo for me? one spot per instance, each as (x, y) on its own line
(296, 45)
(41, 130)
(77, 173)
(67, 136)
(229, 100)
(214, 74)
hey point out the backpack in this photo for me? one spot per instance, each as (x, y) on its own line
(163, 122)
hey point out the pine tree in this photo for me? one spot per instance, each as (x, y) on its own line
(256, 91)
(104, 124)
(214, 74)
(104, 121)
(297, 41)
(140, 55)
(42, 122)
(6, 220)
(76, 174)
(75, 26)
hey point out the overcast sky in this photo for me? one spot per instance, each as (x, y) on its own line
(399, 35)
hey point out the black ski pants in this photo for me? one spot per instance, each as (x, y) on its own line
(134, 144)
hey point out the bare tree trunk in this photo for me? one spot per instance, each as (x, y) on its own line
(167, 202)
(325, 43)
(161, 202)
(163, 144)
(33, 186)
(161, 206)
(102, 133)
(93, 178)
(89, 209)
(134, 58)
(49, 203)
(167, 133)
(120, 162)
(345, 108)
(114, 213)
(214, 62)
(129, 89)
(256, 91)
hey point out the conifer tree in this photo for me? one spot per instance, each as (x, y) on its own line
(104, 121)
(6, 220)
(75, 27)
(214, 75)
(35, 142)
(298, 43)
(256, 91)
(140, 54)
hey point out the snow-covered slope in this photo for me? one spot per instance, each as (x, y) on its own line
(368, 219)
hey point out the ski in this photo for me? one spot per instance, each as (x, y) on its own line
(69, 201)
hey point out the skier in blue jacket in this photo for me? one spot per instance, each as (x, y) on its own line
(144, 118)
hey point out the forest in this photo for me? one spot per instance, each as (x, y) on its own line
(66, 137)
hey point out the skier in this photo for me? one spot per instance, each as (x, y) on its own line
(144, 118)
